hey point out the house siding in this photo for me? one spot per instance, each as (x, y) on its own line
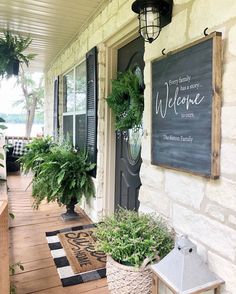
(202, 208)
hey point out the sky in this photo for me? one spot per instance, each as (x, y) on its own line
(10, 92)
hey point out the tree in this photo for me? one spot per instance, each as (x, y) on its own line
(33, 94)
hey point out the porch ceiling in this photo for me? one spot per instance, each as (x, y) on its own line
(51, 23)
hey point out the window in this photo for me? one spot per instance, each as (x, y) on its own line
(74, 110)
(80, 105)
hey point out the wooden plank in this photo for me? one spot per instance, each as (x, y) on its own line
(96, 287)
(216, 104)
(4, 253)
(155, 284)
(28, 244)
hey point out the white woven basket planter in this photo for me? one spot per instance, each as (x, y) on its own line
(124, 279)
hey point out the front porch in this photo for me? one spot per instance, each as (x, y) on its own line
(28, 244)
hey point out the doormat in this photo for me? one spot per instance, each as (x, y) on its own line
(78, 242)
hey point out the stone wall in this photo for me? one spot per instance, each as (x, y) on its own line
(202, 208)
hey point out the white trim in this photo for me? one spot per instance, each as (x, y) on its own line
(118, 40)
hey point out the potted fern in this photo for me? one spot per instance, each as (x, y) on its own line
(37, 149)
(11, 53)
(63, 176)
(132, 241)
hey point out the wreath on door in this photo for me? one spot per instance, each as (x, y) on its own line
(127, 101)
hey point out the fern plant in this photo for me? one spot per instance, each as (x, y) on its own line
(11, 53)
(37, 150)
(126, 101)
(62, 176)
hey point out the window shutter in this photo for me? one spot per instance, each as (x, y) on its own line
(56, 108)
(91, 121)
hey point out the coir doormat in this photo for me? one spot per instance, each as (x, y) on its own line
(78, 262)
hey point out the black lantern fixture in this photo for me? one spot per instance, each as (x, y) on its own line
(153, 16)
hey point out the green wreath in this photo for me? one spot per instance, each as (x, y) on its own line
(126, 101)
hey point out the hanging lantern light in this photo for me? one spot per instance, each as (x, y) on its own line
(153, 16)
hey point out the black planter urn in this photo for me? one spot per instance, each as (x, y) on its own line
(70, 213)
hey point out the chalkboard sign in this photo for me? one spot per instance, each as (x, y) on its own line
(186, 107)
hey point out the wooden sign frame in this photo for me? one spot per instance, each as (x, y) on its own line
(163, 151)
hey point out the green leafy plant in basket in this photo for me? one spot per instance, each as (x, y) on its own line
(127, 101)
(132, 238)
(132, 241)
(63, 176)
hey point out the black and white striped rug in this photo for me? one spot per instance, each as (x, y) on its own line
(66, 274)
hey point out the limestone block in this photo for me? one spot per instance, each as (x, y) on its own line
(229, 122)
(232, 37)
(215, 212)
(171, 37)
(202, 251)
(225, 270)
(232, 220)
(223, 192)
(147, 107)
(215, 235)
(229, 85)
(155, 199)
(228, 158)
(186, 189)
(109, 28)
(125, 15)
(112, 8)
(210, 13)
(178, 2)
(95, 38)
(151, 176)
(104, 16)
(121, 2)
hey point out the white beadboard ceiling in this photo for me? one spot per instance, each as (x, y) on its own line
(52, 24)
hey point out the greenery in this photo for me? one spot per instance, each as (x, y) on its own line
(126, 101)
(12, 270)
(37, 150)
(60, 172)
(132, 238)
(11, 52)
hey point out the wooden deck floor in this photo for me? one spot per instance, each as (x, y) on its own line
(28, 244)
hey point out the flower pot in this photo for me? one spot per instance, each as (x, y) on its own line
(124, 279)
(13, 68)
(70, 210)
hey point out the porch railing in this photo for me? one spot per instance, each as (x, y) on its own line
(13, 139)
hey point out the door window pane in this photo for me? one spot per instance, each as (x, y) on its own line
(134, 143)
